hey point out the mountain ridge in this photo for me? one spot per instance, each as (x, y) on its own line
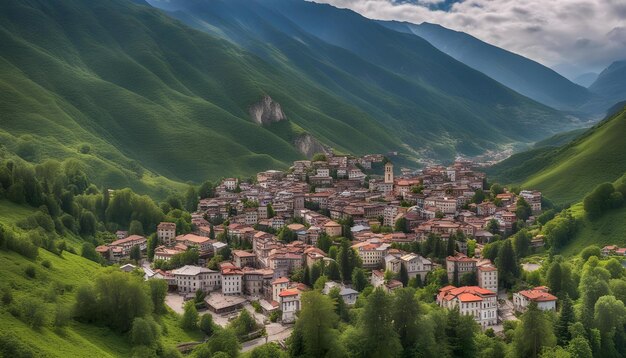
(524, 75)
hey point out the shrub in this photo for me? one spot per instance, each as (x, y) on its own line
(11, 346)
(33, 312)
(6, 295)
(84, 148)
(589, 251)
(46, 263)
(206, 324)
(257, 306)
(145, 332)
(62, 316)
(274, 316)
(30, 271)
(190, 317)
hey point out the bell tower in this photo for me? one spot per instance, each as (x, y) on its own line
(388, 173)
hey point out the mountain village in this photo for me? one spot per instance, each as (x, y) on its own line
(259, 237)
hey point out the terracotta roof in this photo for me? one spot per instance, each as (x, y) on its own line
(242, 253)
(469, 297)
(280, 280)
(289, 292)
(538, 294)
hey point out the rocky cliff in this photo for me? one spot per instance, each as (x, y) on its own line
(308, 145)
(266, 111)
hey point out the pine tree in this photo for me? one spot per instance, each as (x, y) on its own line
(508, 268)
(306, 277)
(404, 275)
(270, 211)
(566, 318)
(343, 259)
(405, 311)
(554, 277)
(451, 246)
(315, 326)
(358, 279)
(533, 332)
(376, 326)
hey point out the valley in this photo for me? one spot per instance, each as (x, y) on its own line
(291, 178)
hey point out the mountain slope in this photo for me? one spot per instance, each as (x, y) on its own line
(567, 173)
(64, 275)
(521, 74)
(586, 79)
(425, 97)
(142, 88)
(611, 83)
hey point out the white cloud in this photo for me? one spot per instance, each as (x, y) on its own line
(574, 36)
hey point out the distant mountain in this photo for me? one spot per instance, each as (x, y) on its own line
(523, 75)
(565, 174)
(430, 101)
(586, 79)
(611, 83)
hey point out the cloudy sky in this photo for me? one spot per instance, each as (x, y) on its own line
(571, 36)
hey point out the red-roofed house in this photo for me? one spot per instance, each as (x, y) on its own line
(289, 301)
(478, 302)
(541, 295)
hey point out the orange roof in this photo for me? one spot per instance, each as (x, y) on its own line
(289, 292)
(469, 297)
(193, 238)
(242, 253)
(538, 295)
(280, 280)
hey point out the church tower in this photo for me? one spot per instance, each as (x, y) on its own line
(388, 173)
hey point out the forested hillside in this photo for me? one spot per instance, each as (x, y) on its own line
(565, 174)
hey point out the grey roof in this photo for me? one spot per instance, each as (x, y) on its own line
(189, 270)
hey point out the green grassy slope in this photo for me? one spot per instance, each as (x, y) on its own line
(610, 229)
(427, 99)
(142, 88)
(68, 271)
(567, 173)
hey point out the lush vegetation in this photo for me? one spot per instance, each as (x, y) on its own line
(566, 174)
(590, 321)
(417, 93)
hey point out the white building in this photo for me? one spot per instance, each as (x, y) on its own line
(279, 285)
(372, 252)
(477, 302)
(189, 279)
(545, 301)
(416, 265)
(230, 183)
(488, 277)
(126, 244)
(232, 281)
(289, 301)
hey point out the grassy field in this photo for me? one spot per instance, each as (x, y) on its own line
(68, 272)
(610, 229)
(566, 174)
